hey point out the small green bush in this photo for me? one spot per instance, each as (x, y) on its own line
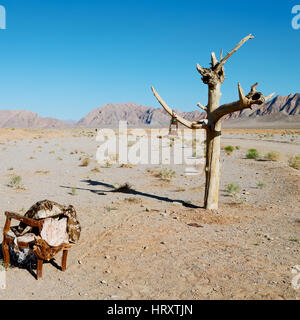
(232, 188)
(229, 149)
(15, 182)
(74, 191)
(252, 154)
(260, 185)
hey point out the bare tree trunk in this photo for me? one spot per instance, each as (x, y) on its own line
(214, 78)
(213, 147)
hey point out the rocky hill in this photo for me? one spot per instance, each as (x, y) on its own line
(27, 119)
(281, 108)
(280, 105)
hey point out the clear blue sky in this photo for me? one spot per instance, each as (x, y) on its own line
(63, 58)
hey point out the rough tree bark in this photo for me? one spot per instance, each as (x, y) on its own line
(214, 77)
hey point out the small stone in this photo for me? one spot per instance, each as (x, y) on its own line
(103, 282)
(79, 262)
(163, 242)
(107, 257)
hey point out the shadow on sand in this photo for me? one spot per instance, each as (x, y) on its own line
(130, 191)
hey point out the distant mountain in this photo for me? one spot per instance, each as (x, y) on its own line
(285, 109)
(279, 107)
(27, 119)
(135, 115)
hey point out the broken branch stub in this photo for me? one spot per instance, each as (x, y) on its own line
(210, 76)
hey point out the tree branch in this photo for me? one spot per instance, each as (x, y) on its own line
(192, 125)
(245, 102)
(214, 60)
(202, 107)
(223, 61)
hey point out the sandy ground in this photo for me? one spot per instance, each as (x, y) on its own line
(157, 242)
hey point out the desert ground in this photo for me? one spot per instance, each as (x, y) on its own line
(157, 242)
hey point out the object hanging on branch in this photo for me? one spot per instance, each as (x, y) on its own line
(214, 77)
(173, 130)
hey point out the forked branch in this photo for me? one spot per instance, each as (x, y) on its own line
(216, 74)
(192, 125)
(245, 102)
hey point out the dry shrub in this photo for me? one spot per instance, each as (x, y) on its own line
(166, 174)
(108, 163)
(85, 162)
(96, 170)
(134, 200)
(124, 188)
(126, 166)
(42, 172)
(294, 162)
(273, 156)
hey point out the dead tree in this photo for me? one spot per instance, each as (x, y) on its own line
(214, 78)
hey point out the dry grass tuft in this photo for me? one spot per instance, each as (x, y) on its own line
(42, 172)
(273, 156)
(96, 170)
(166, 174)
(85, 162)
(294, 162)
(127, 166)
